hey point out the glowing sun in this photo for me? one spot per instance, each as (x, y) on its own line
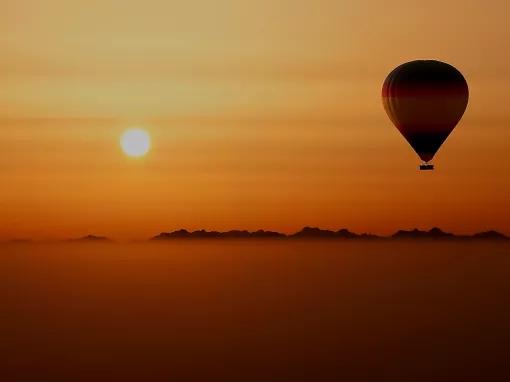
(135, 142)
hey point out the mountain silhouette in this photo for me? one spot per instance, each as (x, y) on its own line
(434, 233)
(313, 232)
(92, 239)
(318, 233)
(203, 234)
(267, 234)
(306, 233)
(490, 235)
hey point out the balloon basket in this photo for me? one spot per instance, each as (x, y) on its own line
(426, 167)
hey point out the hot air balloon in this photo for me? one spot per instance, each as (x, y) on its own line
(425, 100)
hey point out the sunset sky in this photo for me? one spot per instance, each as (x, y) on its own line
(263, 114)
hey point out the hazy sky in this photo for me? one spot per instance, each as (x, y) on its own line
(263, 114)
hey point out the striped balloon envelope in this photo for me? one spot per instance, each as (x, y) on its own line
(425, 100)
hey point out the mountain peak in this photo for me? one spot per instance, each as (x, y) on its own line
(434, 233)
(92, 238)
(493, 235)
(314, 232)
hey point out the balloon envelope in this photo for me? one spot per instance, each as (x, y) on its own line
(425, 101)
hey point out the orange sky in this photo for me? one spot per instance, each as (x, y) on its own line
(263, 114)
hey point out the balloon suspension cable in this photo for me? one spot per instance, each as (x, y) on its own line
(426, 167)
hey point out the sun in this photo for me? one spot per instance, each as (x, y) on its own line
(135, 142)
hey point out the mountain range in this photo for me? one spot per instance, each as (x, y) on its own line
(317, 233)
(307, 233)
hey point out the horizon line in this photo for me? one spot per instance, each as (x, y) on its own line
(307, 232)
